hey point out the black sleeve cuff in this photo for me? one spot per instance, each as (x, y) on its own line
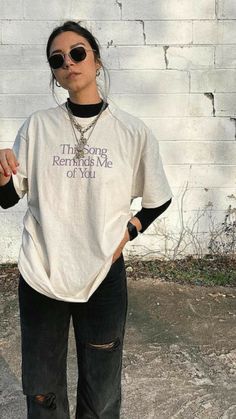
(8, 195)
(147, 215)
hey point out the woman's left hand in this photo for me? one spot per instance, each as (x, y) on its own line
(121, 246)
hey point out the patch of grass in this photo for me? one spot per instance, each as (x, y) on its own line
(8, 266)
(208, 271)
(217, 270)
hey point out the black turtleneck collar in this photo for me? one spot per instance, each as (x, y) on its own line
(85, 111)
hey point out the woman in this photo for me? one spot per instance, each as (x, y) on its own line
(80, 164)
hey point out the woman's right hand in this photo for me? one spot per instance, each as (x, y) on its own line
(8, 162)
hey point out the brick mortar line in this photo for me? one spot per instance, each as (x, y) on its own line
(88, 20)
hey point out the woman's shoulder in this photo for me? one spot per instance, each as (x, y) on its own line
(128, 120)
(40, 117)
(46, 113)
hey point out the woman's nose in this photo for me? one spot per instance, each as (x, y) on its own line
(67, 60)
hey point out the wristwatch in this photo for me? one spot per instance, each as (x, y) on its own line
(132, 230)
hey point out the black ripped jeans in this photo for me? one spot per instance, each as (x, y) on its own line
(45, 327)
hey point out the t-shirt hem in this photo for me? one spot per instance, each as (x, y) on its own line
(156, 203)
(53, 296)
(32, 284)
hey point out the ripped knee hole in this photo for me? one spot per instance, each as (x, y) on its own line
(111, 345)
(46, 400)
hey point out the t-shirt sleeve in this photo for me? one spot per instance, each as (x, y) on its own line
(149, 178)
(20, 180)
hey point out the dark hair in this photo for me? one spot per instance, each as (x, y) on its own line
(73, 26)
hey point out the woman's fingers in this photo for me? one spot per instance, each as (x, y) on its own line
(8, 162)
(12, 162)
(5, 170)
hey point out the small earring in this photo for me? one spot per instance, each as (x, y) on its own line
(57, 84)
(98, 72)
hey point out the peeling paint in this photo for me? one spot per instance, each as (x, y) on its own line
(110, 43)
(234, 119)
(144, 35)
(209, 204)
(210, 96)
(232, 196)
(166, 47)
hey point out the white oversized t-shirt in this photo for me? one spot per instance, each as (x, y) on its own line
(78, 209)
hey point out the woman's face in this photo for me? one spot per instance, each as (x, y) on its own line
(75, 77)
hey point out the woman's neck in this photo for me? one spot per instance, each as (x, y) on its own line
(85, 98)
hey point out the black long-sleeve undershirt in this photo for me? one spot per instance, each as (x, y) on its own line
(9, 197)
(147, 215)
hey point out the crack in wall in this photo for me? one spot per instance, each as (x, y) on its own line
(119, 4)
(166, 47)
(144, 35)
(215, 57)
(210, 96)
(234, 120)
(216, 8)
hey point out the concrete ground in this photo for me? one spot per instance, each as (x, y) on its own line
(179, 358)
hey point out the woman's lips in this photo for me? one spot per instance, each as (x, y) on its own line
(72, 75)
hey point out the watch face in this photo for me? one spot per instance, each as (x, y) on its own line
(132, 230)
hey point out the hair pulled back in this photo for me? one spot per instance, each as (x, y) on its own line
(73, 26)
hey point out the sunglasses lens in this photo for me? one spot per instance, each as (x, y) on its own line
(56, 61)
(78, 54)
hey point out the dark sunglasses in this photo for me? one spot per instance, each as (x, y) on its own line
(76, 54)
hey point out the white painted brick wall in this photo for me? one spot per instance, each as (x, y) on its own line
(172, 63)
(180, 152)
(118, 32)
(172, 9)
(72, 9)
(220, 80)
(11, 9)
(226, 31)
(190, 57)
(205, 32)
(225, 56)
(225, 104)
(149, 81)
(168, 32)
(134, 57)
(165, 105)
(22, 57)
(192, 129)
(227, 9)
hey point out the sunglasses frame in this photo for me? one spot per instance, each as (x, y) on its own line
(63, 55)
